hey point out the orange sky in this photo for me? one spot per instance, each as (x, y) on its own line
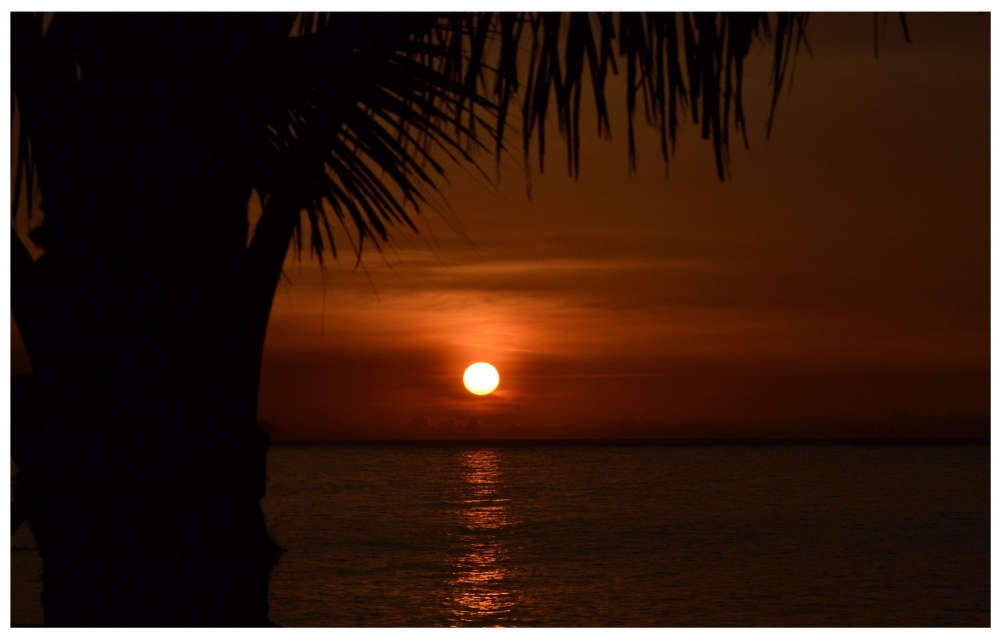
(843, 271)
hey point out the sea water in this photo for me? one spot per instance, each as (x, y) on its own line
(597, 534)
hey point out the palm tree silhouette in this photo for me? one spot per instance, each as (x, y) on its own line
(141, 463)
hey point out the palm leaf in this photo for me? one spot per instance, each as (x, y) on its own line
(360, 113)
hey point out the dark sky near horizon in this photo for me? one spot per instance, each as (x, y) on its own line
(843, 270)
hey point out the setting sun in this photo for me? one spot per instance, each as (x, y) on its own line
(481, 378)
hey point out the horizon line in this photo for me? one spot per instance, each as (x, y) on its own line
(652, 442)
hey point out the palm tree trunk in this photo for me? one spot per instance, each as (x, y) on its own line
(142, 467)
(141, 463)
(142, 477)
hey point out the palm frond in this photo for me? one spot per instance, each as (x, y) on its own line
(360, 113)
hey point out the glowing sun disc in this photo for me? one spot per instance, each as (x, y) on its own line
(481, 378)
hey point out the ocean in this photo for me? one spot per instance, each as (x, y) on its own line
(619, 534)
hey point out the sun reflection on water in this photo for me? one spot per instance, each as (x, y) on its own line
(483, 595)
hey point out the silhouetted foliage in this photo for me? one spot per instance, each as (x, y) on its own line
(354, 113)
